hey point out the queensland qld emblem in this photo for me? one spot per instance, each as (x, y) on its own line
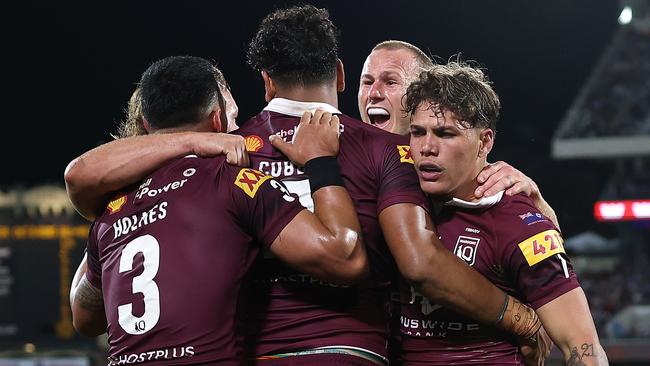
(466, 248)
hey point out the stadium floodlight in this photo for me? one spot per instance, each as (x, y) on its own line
(626, 15)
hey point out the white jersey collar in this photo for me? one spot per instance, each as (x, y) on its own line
(484, 202)
(295, 108)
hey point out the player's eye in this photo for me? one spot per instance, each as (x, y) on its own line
(445, 133)
(417, 131)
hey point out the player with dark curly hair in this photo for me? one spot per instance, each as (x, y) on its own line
(454, 111)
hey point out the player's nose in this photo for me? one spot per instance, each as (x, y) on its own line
(429, 146)
(376, 91)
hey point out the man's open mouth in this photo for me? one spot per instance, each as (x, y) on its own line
(378, 117)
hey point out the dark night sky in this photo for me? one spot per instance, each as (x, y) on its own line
(71, 69)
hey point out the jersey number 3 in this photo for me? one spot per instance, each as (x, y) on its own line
(144, 283)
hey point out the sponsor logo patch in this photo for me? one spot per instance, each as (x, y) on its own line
(253, 143)
(466, 248)
(116, 204)
(287, 135)
(541, 246)
(425, 305)
(530, 218)
(250, 180)
(405, 154)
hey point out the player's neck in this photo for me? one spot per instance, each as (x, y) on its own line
(203, 126)
(466, 191)
(314, 93)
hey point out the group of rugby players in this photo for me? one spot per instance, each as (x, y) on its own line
(281, 242)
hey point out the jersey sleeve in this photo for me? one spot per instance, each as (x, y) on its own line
(534, 253)
(265, 205)
(94, 267)
(398, 179)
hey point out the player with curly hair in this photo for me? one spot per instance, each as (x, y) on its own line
(454, 111)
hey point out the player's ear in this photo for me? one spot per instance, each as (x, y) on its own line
(340, 76)
(218, 121)
(145, 124)
(486, 142)
(269, 86)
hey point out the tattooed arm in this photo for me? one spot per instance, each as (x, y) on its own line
(87, 304)
(567, 319)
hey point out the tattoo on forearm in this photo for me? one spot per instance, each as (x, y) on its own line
(577, 356)
(88, 296)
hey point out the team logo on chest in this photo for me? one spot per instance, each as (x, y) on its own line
(466, 248)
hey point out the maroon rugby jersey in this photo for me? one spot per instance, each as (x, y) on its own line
(170, 257)
(508, 241)
(289, 311)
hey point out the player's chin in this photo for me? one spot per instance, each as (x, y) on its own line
(433, 188)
